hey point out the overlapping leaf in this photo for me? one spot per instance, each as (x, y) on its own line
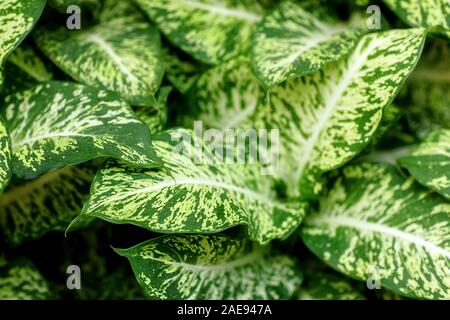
(197, 191)
(426, 96)
(226, 96)
(325, 119)
(20, 280)
(291, 42)
(48, 203)
(17, 18)
(424, 13)
(61, 123)
(123, 55)
(5, 156)
(211, 31)
(212, 267)
(374, 224)
(430, 162)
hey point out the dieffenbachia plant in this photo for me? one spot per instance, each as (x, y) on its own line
(212, 267)
(264, 149)
(433, 14)
(184, 196)
(375, 224)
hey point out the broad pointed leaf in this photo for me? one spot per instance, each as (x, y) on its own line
(424, 13)
(60, 123)
(430, 162)
(21, 280)
(17, 18)
(48, 203)
(325, 119)
(291, 42)
(226, 96)
(195, 192)
(123, 55)
(212, 267)
(211, 31)
(376, 225)
(5, 156)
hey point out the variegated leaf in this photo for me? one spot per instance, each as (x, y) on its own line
(5, 156)
(17, 18)
(48, 203)
(62, 5)
(376, 225)
(28, 60)
(290, 42)
(210, 30)
(60, 123)
(434, 14)
(123, 55)
(181, 70)
(21, 280)
(426, 96)
(196, 191)
(321, 285)
(226, 96)
(430, 162)
(155, 115)
(212, 267)
(325, 119)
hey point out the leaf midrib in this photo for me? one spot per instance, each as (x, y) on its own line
(366, 226)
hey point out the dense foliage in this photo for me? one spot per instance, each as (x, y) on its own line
(102, 167)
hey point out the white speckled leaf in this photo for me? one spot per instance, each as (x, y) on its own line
(21, 280)
(60, 123)
(425, 95)
(48, 203)
(226, 96)
(123, 55)
(17, 18)
(430, 162)
(212, 267)
(375, 224)
(291, 42)
(28, 60)
(327, 118)
(191, 194)
(211, 31)
(434, 14)
(5, 156)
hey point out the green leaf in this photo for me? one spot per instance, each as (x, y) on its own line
(211, 31)
(374, 224)
(321, 285)
(48, 203)
(123, 55)
(20, 280)
(60, 123)
(5, 156)
(191, 194)
(424, 13)
(62, 5)
(155, 115)
(226, 96)
(291, 42)
(430, 162)
(28, 60)
(17, 18)
(212, 267)
(426, 96)
(327, 118)
(181, 70)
